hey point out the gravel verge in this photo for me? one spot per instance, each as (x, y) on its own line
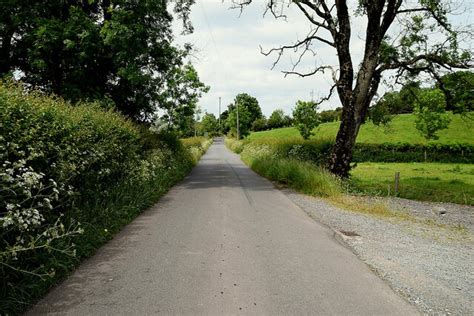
(428, 259)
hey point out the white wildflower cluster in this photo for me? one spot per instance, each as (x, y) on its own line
(22, 219)
(298, 152)
(156, 162)
(259, 151)
(26, 196)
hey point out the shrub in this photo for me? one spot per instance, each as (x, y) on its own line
(305, 118)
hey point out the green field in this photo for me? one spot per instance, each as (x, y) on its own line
(439, 182)
(401, 130)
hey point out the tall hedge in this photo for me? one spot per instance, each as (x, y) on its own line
(318, 151)
(70, 177)
(403, 152)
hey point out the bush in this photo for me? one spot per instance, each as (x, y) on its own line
(70, 177)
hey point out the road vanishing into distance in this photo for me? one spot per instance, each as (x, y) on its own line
(223, 241)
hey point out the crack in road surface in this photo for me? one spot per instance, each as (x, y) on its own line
(203, 249)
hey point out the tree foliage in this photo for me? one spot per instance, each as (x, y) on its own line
(430, 112)
(245, 121)
(459, 90)
(180, 96)
(305, 118)
(250, 103)
(277, 119)
(249, 112)
(97, 49)
(260, 124)
(330, 115)
(210, 125)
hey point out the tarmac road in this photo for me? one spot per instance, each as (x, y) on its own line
(223, 241)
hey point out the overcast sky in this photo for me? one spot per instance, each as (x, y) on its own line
(228, 58)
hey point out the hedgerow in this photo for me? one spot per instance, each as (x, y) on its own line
(404, 152)
(318, 151)
(71, 177)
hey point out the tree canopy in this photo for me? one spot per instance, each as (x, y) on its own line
(249, 112)
(115, 50)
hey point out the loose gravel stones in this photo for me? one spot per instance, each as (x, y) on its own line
(428, 259)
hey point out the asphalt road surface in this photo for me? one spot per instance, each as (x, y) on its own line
(223, 241)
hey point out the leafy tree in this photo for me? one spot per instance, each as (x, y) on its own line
(430, 112)
(330, 115)
(414, 50)
(209, 124)
(223, 117)
(277, 119)
(114, 49)
(250, 103)
(245, 121)
(305, 118)
(180, 97)
(459, 90)
(288, 120)
(259, 124)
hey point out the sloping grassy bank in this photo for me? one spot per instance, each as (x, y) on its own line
(70, 178)
(401, 130)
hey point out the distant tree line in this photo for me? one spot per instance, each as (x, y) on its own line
(251, 118)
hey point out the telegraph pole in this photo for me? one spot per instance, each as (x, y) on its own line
(219, 113)
(238, 128)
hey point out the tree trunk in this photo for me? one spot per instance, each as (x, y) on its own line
(5, 51)
(341, 155)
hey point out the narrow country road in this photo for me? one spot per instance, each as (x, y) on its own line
(223, 241)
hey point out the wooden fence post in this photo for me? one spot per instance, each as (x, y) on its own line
(397, 182)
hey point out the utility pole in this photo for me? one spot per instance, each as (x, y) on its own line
(312, 95)
(219, 113)
(238, 127)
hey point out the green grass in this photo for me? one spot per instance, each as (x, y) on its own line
(439, 182)
(299, 175)
(402, 129)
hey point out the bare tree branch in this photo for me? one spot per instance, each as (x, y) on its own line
(320, 69)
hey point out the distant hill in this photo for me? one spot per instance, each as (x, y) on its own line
(401, 130)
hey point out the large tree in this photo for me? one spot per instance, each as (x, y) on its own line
(180, 96)
(250, 103)
(94, 49)
(412, 51)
